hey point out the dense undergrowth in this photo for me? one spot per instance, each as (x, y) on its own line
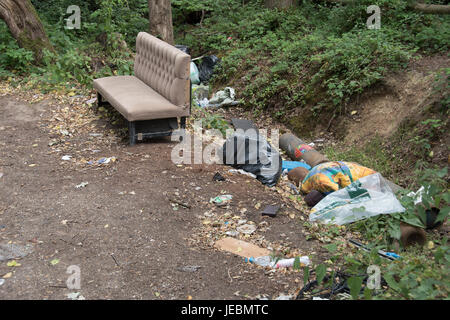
(316, 57)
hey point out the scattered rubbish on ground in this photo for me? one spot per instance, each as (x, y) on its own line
(313, 198)
(367, 197)
(243, 124)
(218, 177)
(183, 48)
(284, 297)
(54, 262)
(8, 275)
(224, 98)
(221, 200)
(241, 248)
(338, 290)
(233, 233)
(287, 263)
(75, 296)
(258, 158)
(13, 263)
(294, 189)
(384, 254)
(411, 235)
(103, 161)
(1, 174)
(82, 185)
(96, 135)
(200, 92)
(2, 281)
(194, 74)
(189, 268)
(66, 158)
(251, 175)
(10, 251)
(270, 211)
(91, 101)
(246, 228)
(289, 165)
(206, 68)
(298, 150)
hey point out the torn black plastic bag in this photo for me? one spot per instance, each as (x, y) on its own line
(206, 68)
(252, 153)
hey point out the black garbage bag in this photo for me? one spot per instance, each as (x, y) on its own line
(183, 48)
(206, 68)
(252, 153)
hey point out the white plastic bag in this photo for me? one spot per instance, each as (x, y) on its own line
(194, 74)
(367, 197)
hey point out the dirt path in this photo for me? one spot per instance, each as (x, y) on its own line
(121, 230)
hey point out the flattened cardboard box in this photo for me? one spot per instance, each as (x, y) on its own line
(241, 248)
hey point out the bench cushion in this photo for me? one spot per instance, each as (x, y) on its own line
(135, 100)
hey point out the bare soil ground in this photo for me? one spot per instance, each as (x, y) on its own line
(122, 229)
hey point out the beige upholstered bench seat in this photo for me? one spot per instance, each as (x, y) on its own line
(157, 95)
(135, 100)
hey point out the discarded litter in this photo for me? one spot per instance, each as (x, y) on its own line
(289, 165)
(91, 101)
(251, 152)
(221, 200)
(103, 161)
(206, 68)
(218, 177)
(96, 134)
(189, 268)
(75, 296)
(264, 261)
(241, 248)
(224, 98)
(367, 197)
(251, 175)
(1, 174)
(66, 158)
(286, 263)
(2, 281)
(284, 297)
(270, 211)
(200, 92)
(194, 74)
(82, 185)
(246, 228)
(14, 251)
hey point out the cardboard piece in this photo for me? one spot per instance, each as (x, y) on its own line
(241, 248)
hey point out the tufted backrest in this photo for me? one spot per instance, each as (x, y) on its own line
(164, 68)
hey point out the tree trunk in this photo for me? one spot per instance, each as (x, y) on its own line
(25, 26)
(161, 19)
(431, 8)
(417, 5)
(280, 4)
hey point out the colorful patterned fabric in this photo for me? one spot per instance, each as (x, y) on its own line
(332, 176)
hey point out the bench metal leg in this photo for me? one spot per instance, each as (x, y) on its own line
(132, 132)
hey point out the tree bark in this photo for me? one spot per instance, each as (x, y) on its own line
(431, 8)
(25, 26)
(160, 16)
(280, 4)
(417, 5)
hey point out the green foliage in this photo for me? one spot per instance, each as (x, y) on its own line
(12, 58)
(314, 56)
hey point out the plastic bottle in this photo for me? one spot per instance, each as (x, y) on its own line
(286, 263)
(264, 261)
